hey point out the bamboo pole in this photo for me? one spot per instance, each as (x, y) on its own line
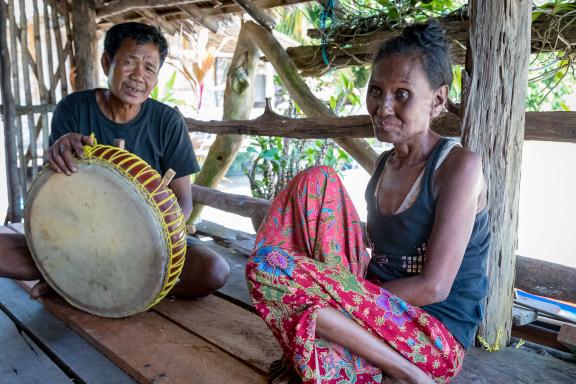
(40, 79)
(238, 102)
(312, 107)
(61, 53)
(28, 94)
(14, 192)
(16, 85)
(47, 34)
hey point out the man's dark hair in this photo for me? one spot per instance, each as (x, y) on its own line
(429, 42)
(142, 33)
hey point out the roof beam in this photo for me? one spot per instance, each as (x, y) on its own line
(199, 16)
(261, 17)
(121, 6)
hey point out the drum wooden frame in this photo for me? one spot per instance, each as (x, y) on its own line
(110, 238)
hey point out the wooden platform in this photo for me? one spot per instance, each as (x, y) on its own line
(217, 339)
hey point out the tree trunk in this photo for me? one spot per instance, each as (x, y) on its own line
(15, 194)
(85, 45)
(238, 103)
(493, 126)
(359, 149)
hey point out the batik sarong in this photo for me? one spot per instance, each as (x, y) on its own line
(310, 253)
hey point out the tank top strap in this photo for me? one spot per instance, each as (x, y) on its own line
(431, 167)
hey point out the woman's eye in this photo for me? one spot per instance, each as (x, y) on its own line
(375, 92)
(402, 95)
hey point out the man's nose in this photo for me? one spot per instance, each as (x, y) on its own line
(138, 72)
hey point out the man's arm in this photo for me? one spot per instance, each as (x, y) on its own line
(181, 188)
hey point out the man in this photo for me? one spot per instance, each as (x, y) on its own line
(133, 55)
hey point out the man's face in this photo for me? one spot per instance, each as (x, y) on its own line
(133, 71)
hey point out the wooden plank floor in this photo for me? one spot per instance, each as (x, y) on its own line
(218, 339)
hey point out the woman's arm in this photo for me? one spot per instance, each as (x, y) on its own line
(460, 185)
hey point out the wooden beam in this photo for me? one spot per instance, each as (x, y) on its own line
(493, 127)
(540, 126)
(200, 17)
(262, 4)
(159, 21)
(120, 6)
(261, 17)
(245, 206)
(567, 336)
(348, 47)
(545, 278)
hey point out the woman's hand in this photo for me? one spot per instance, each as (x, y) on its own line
(62, 154)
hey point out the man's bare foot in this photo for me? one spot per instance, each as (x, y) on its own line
(40, 289)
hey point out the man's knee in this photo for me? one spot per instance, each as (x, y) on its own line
(205, 271)
(213, 269)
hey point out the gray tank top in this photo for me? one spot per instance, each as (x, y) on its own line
(399, 244)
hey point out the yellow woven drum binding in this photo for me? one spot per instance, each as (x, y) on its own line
(149, 185)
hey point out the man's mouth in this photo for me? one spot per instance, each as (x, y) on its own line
(131, 89)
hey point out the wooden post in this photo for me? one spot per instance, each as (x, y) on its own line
(85, 44)
(493, 126)
(238, 102)
(16, 86)
(15, 194)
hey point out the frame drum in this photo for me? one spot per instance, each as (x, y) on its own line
(111, 237)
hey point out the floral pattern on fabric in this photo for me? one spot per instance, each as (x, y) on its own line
(310, 254)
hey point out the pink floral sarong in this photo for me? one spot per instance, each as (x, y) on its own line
(310, 253)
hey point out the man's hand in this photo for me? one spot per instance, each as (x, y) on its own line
(62, 154)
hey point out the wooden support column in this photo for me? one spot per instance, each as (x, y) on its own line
(86, 59)
(15, 193)
(238, 103)
(493, 126)
(359, 149)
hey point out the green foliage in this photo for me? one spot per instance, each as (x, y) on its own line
(277, 160)
(167, 95)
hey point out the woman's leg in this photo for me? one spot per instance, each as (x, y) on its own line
(310, 255)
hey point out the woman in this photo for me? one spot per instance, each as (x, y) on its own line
(407, 313)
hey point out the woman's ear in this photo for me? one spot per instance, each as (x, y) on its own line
(439, 101)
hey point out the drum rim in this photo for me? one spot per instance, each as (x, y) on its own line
(151, 299)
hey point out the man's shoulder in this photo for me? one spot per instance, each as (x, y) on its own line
(158, 106)
(77, 98)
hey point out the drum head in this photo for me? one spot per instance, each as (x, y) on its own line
(97, 240)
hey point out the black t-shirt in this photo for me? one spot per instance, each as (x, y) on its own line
(158, 134)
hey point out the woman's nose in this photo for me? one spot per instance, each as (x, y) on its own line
(386, 106)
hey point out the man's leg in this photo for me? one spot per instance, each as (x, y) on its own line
(204, 271)
(15, 259)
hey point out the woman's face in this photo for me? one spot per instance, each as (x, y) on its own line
(400, 100)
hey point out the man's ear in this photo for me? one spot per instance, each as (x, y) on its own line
(439, 101)
(105, 62)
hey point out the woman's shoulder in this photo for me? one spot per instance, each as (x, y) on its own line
(462, 167)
